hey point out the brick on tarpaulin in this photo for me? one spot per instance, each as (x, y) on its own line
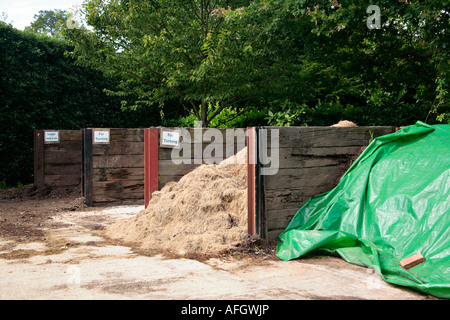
(412, 261)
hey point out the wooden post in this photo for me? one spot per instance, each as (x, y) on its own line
(39, 158)
(260, 217)
(151, 140)
(87, 166)
(251, 194)
(82, 163)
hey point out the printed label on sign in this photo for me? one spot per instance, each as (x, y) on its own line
(51, 136)
(101, 136)
(170, 138)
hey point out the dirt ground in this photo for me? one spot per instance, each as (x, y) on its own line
(52, 247)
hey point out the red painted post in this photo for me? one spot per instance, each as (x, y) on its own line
(251, 196)
(151, 163)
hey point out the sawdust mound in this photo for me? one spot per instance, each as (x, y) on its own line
(204, 212)
(344, 123)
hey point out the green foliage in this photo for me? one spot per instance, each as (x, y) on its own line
(238, 118)
(324, 54)
(227, 118)
(289, 114)
(48, 22)
(165, 50)
(398, 70)
(214, 56)
(41, 88)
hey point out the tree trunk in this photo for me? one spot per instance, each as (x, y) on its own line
(204, 113)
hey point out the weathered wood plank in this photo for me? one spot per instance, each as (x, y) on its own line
(273, 234)
(327, 136)
(279, 219)
(123, 188)
(64, 146)
(208, 134)
(291, 198)
(101, 199)
(62, 169)
(197, 150)
(127, 131)
(168, 168)
(69, 135)
(306, 162)
(304, 177)
(62, 157)
(113, 174)
(126, 135)
(118, 161)
(318, 152)
(119, 148)
(62, 180)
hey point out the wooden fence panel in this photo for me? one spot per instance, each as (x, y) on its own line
(57, 159)
(311, 161)
(161, 162)
(113, 168)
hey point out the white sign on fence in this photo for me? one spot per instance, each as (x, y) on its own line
(170, 139)
(101, 136)
(51, 136)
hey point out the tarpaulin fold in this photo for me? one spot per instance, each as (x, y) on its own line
(393, 202)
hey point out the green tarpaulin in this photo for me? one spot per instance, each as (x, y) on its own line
(393, 202)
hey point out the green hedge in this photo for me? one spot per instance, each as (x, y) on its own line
(41, 88)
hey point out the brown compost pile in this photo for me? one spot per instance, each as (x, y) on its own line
(205, 212)
(344, 123)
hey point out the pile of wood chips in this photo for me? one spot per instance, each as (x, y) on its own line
(205, 212)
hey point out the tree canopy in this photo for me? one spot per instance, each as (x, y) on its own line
(165, 50)
(48, 22)
(295, 57)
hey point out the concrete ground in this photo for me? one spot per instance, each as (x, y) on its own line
(74, 262)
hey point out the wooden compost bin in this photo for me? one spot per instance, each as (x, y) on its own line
(113, 166)
(311, 161)
(160, 167)
(57, 158)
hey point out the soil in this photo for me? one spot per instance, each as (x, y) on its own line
(25, 211)
(53, 247)
(26, 215)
